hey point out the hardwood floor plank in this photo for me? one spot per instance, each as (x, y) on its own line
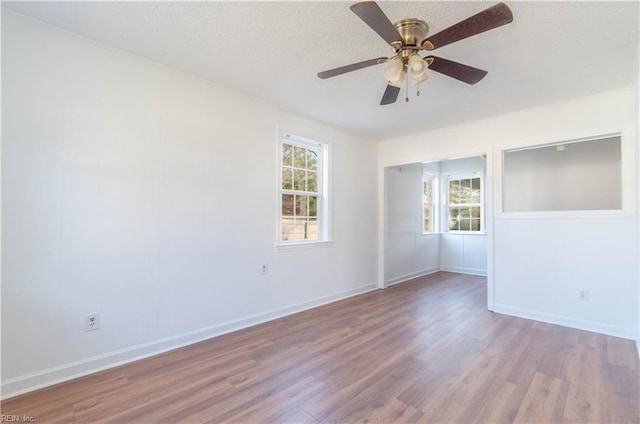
(560, 353)
(292, 415)
(542, 401)
(621, 352)
(462, 391)
(622, 396)
(423, 351)
(523, 368)
(501, 407)
(587, 386)
(276, 403)
(378, 398)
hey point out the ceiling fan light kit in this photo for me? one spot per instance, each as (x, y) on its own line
(394, 70)
(409, 36)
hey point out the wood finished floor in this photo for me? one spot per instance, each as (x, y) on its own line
(423, 351)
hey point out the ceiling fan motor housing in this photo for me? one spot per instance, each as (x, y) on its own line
(413, 32)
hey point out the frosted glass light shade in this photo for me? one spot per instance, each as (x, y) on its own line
(398, 83)
(417, 66)
(420, 79)
(394, 70)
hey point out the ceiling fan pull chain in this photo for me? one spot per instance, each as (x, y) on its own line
(406, 87)
(418, 88)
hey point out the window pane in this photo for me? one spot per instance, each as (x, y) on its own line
(297, 232)
(475, 212)
(313, 206)
(475, 183)
(427, 191)
(312, 228)
(287, 154)
(465, 212)
(427, 218)
(465, 185)
(454, 218)
(456, 195)
(312, 160)
(301, 205)
(475, 225)
(304, 229)
(287, 204)
(582, 175)
(287, 225)
(299, 180)
(287, 178)
(465, 224)
(299, 157)
(312, 181)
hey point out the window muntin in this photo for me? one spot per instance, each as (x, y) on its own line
(465, 203)
(300, 191)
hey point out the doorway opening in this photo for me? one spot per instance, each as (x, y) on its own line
(435, 218)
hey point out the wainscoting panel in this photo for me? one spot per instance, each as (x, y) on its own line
(410, 254)
(464, 253)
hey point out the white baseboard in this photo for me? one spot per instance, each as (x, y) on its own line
(470, 271)
(411, 276)
(48, 377)
(625, 333)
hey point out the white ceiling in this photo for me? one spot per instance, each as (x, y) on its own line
(273, 50)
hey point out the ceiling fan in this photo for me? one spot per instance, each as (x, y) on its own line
(408, 36)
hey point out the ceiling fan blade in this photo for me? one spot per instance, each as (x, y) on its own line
(390, 95)
(456, 70)
(348, 68)
(372, 15)
(490, 18)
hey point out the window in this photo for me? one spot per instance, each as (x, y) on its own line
(574, 175)
(465, 203)
(301, 191)
(428, 182)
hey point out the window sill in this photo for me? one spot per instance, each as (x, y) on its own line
(305, 245)
(455, 233)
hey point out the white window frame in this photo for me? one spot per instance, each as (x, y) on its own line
(446, 203)
(324, 229)
(434, 202)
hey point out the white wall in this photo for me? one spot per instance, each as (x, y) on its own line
(537, 263)
(149, 196)
(410, 253)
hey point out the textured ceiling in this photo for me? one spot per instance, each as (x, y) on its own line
(273, 50)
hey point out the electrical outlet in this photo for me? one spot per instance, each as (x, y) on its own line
(92, 322)
(583, 294)
(264, 269)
